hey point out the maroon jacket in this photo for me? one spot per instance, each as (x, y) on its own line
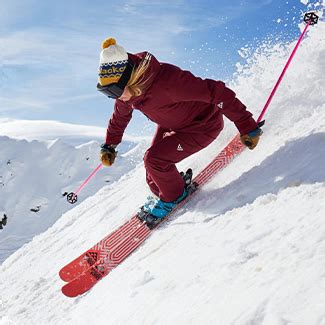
(178, 101)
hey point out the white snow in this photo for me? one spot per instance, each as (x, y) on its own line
(248, 249)
(35, 175)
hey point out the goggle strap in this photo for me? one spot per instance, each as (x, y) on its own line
(126, 75)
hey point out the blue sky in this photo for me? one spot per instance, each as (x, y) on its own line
(49, 50)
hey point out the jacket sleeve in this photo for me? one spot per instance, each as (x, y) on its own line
(117, 124)
(184, 86)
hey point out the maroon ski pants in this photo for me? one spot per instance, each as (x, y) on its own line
(167, 149)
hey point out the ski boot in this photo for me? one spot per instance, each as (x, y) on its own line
(155, 209)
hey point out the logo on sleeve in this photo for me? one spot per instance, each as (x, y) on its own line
(180, 148)
(220, 105)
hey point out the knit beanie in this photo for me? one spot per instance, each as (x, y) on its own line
(112, 63)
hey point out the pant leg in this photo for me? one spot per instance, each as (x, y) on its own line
(157, 137)
(161, 157)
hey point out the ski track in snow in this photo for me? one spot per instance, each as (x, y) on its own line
(248, 249)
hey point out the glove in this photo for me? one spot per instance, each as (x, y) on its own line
(108, 154)
(251, 139)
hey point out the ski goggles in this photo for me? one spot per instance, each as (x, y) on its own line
(115, 90)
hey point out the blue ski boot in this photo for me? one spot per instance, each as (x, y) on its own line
(156, 209)
(161, 208)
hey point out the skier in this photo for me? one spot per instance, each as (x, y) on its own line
(187, 110)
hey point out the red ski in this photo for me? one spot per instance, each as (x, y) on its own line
(86, 270)
(99, 251)
(103, 266)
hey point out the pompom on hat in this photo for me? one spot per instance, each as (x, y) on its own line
(112, 63)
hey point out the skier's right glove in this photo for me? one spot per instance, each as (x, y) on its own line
(252, 138)
(108, 154)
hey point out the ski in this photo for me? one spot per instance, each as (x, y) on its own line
(103, 248)
(99, 251)
(90, 267)
(103, 266)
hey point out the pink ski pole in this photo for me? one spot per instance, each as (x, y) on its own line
(73, 197)
(310, 18)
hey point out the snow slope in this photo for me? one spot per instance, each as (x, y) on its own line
(35, 174)
(248, 249)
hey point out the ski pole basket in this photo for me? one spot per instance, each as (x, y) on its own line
(72, 198)
(311, 18)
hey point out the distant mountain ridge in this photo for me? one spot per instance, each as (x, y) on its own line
(46, 130)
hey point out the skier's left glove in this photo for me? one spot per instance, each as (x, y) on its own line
(251, 139)
(108, 154)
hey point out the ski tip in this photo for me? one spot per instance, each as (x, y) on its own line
(68, 293)
(64, 276)
(76, 288)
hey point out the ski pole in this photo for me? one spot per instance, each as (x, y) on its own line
(73, 197)
(310, 18)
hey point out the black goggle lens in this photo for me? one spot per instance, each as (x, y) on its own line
(112, 91)
(115, 90)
